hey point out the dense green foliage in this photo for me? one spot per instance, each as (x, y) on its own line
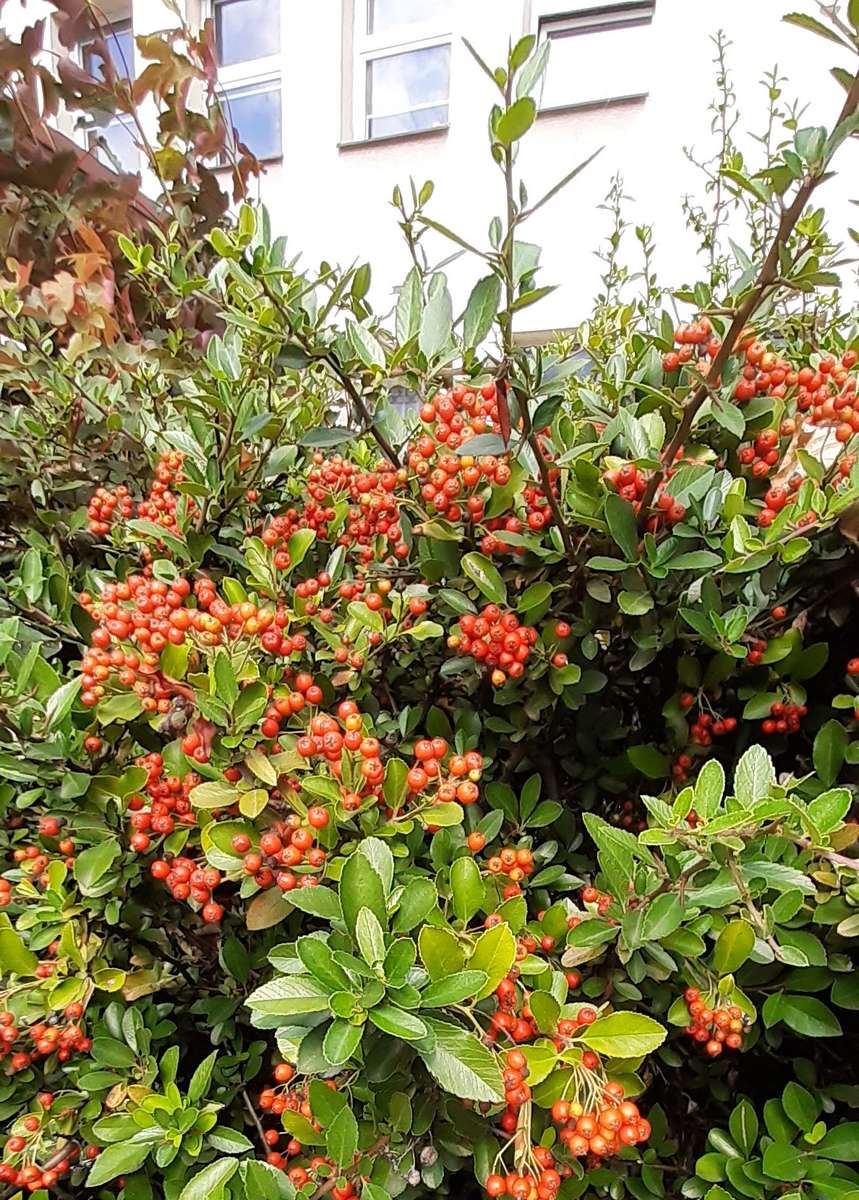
(384, 795)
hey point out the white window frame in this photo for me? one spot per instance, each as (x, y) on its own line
(554, 20)
(253, 72)
(91, 131)
(399, 39)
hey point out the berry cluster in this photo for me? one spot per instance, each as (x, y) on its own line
(696, 333)
(168, 803)
(497, 640)
(545, 1181)
(19, 1167)
(287, 855)
(463, 771)
(783, 718)
(453, 418)
(304, 691)
(602, 1130)
(714, 1028)
(103, 506)
(762, 455)
(191, 881)
(516, 864)
(828, 394)
(592, 895)
(159, 506)
(631, 484)
(22, 1047)
(706, 725)
(373, 510)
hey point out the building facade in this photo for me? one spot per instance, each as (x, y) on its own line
(343, 99)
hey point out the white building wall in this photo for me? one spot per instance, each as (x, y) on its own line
(331, 198)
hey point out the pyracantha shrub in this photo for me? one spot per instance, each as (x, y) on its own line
(384, 805)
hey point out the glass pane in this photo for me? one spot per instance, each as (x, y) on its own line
(597, 66)
(246, 29)
(119, 138)
(387, 14)
(400, 82)
(422, 118)
(119, 40)
(256, 116)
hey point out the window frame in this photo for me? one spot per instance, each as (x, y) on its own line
(582, 18)
(271, 81)
(398, 39)
(91, 131)
(252, 72)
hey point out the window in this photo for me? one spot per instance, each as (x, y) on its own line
(119, 40)
(247, 36)
(598, 52)
(402, 66)
(115, 145)
(255, 114)
(246, 30)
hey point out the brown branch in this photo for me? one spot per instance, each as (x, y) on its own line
(366, 416)
(329, 1184)
(769, 274)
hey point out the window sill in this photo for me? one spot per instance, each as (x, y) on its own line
(593, 105)
(275, 160)
(388, 138)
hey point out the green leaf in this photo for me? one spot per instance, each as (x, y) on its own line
(436, 323)
(649, 761)
(754, 776)
(365, 345)
(734, 945)
(462, 1065)
(800, 1106)
(828, 810)
(494, 952)
(481, 310)
(342, 1137)
(454, 989)
(398, 1022)
(226, 686)
(361, 887)
(515, 122)
(662, 916)
(808, 1016)
(830, 747)
(744, 1125)
(121, 1159)
(342, 1039)
(416, 903)
(15, 957)
(213, 795)
(622, 525)
(485, 575)
(804, 21)
(442, 952)
(466, 885)
(317, 901)
(198, 1085)
(370, 938)
(409, 304)
(624, 1035)
(289, 995)
(228, 1140)
(92, 864)
(841, 1144)
(298, 546)
(208, 1183)
(61, 701)
(319, 960)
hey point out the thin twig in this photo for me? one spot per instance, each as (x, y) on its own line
(768, 274)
